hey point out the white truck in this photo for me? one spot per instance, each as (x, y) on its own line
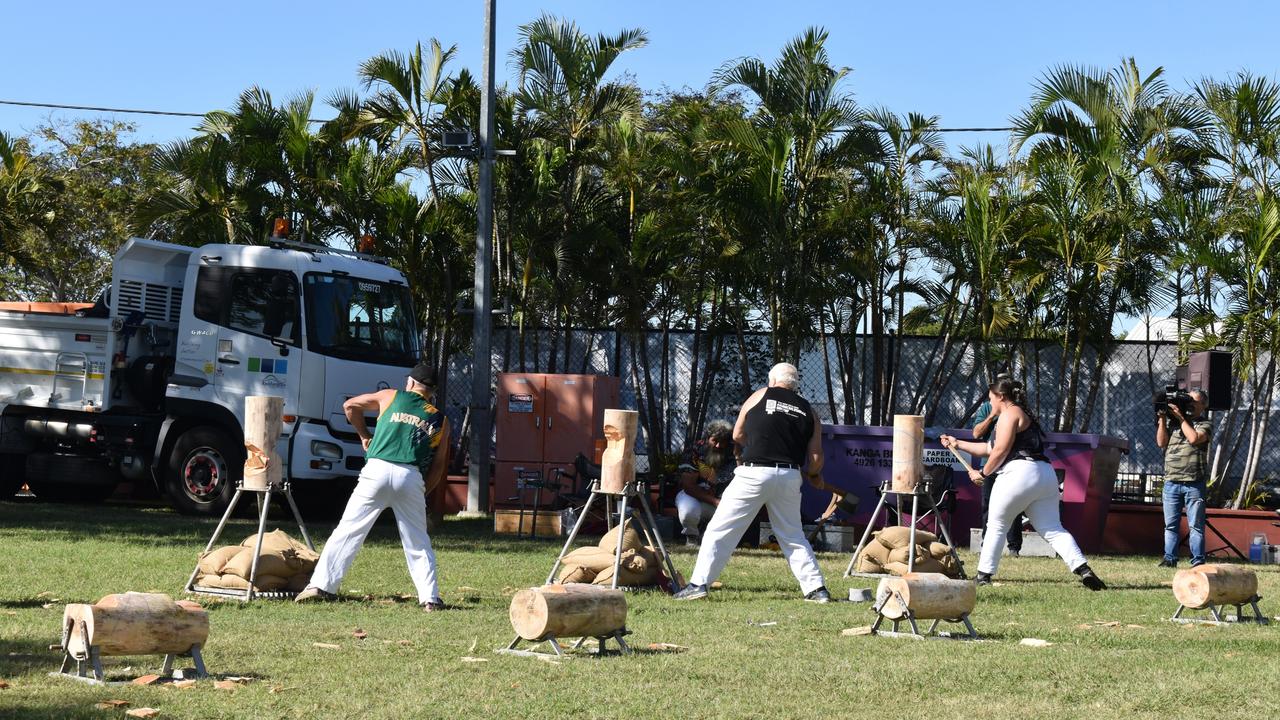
(151, 379)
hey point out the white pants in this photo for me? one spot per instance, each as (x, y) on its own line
(691, 511)
(382, 485)
(778, 490)
(1026, 486)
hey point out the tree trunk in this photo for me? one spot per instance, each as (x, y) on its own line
(1206, 585)
(565, 611)
(929, 596)
(135, 623)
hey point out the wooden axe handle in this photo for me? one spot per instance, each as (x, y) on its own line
(963, 462)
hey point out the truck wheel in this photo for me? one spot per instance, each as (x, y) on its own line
(204, 467)
(13, 473)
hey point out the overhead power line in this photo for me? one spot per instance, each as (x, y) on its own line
(174, 113)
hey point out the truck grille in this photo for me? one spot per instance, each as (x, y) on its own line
(154, 300)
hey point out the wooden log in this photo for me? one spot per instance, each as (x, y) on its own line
(565, 611)
(908, 452)
(618, 463)
(1206, 585)
(263, 422)
(929, 596)
(136, 624)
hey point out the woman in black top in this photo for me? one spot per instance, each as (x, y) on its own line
(1027, 484)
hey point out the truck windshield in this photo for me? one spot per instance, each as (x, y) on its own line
(357, 319)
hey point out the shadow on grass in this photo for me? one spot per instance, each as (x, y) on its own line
(28, 656)
(152, 526)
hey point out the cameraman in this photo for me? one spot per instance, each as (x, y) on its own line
(1185, 439)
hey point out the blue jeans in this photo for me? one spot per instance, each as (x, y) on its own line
(1178, 495)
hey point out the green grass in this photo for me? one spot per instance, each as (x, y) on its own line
(411, 666)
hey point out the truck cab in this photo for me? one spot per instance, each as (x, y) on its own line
(188, 334)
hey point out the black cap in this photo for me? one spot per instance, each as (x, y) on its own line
(424, 373)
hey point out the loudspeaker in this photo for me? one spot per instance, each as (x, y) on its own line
(1210, 371)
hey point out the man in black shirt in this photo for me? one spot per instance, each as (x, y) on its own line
(778, 431)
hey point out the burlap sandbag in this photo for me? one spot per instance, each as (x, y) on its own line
(227, 581)
(902, 554)
(281, 555)
(630, 538)
(634, 568)
(268, 564)
(939, 550)
(298, 582)
(898, 536)
(896, 568)
(593, 558)
(928, 564)
(950, 567)
(576, 574)
(212, 562)
(877, 552)
(868, 564)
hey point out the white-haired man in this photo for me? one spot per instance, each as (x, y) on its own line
(705, 472)
(778, 431)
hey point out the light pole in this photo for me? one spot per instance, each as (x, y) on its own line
(482, 319)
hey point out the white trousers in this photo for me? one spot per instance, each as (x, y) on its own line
(691, 511)
(778, 490)
(1030, 487)
(382, 485)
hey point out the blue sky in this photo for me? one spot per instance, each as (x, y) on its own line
(972, 63)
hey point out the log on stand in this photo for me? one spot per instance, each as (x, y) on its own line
(133, 624)
(1214, 586)
(263, 423)
(908, 452)
(554, 612)
(618, 463)
(924, 596)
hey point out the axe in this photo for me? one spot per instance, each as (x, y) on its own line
(933, 433)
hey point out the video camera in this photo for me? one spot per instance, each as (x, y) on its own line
(1171, 395)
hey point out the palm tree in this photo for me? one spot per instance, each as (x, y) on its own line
(1098, 142)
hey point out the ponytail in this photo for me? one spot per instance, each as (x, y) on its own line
(1013, 391)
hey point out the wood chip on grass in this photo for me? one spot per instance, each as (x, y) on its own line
(144, 712)
(111, 704)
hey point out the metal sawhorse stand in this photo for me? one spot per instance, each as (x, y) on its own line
(636, 492)
(264, 507)
(916, 519)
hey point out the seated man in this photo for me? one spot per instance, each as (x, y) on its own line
(705, 471)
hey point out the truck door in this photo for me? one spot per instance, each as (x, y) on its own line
(259, 334)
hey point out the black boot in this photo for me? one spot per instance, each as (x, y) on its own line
(982, 579)
(1089, 579)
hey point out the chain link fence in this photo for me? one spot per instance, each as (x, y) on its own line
(679, 380)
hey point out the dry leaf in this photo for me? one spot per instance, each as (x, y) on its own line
(468, 658)
(14, 613)
(142, 712)
(225, 685)
(671, 647)
(4, 685)
(472, 649)
(856, 631)
(408, 643)
(1034, 642)
(147, 680)
(327, 646)
(1140, 627)
(184, 684)
(464, 588)
(47, 606)
(46, 593)
(716, 585)
(276, 689)
(359, 634)
(1112, 623)
(111, 704)
(771, 623)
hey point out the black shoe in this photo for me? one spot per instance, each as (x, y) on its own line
(1089, 579)
(818, 596)
(1167, 563)
(982, 579)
